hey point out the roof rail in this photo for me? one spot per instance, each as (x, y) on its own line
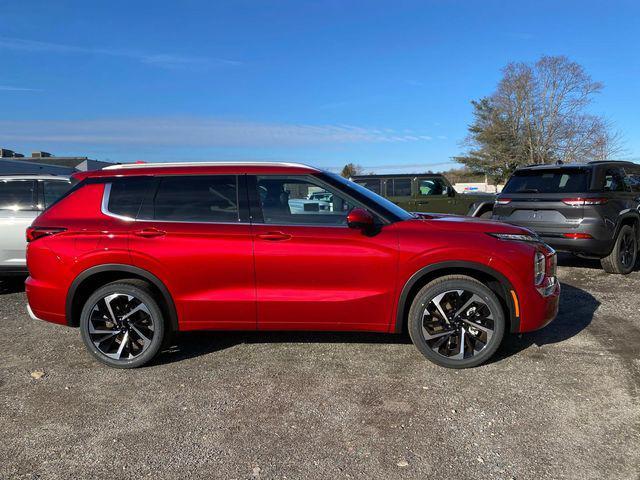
(205, 164)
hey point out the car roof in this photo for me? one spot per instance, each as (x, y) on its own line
(199, 168)
(35, 176)
(399, 175)
(561, 166)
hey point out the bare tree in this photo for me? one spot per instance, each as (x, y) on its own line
(538, 114)
(350, 170)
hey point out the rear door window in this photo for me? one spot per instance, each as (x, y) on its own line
(373, 184)
(206, 198)
(18, 195)
(400, 187)
(614, 180)
(549, 181)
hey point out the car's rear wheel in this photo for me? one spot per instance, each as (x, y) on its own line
(456, 321)
(624, 255)
(122, 324)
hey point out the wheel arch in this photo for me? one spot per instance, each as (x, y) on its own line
(630, 217)
(94, 277)
(495, 280)
(478, 208)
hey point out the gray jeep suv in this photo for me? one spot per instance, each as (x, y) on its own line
(22, 198)
(590, 209)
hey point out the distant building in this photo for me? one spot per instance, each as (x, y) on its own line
(44, 162)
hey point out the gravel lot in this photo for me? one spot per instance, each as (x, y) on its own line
(560, 403)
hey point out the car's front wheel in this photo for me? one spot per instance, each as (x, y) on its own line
(624, 255)
(122, 324)
(456, 321)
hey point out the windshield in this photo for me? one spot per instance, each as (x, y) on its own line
(573, 180)
(391, 207)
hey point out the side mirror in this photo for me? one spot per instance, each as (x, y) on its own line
(361, 219)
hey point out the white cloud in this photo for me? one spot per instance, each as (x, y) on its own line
(193, 132)
(159, 60)
(8, 88)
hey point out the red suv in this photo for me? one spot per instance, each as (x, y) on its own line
(135, 252)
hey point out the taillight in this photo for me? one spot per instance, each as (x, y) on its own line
(503, 201)
(539, 268)
(581, 202)
(34, 233)
(577, 236)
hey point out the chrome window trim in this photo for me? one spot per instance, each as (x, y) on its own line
(105, 211)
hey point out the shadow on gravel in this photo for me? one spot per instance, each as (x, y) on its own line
(12, 285)
(577, 308)
(193, 344)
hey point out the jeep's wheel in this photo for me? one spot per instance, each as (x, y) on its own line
(122, 325)
(456, 322)
(622, 258)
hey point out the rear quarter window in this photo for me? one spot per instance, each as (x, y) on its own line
(127, 194)
(549, 181)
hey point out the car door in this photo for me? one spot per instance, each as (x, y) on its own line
(195, 230)
(312, 271)
(435, 196)
(18, 209)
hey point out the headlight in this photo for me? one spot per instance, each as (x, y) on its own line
(539, 268)
(519, 237)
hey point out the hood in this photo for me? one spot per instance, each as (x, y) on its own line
(457, 223)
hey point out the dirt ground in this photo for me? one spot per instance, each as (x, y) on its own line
(560, 403)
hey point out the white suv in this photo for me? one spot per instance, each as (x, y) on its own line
(22, 198)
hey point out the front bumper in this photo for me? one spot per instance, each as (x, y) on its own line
(538, 310)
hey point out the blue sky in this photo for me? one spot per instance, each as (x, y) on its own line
(386, 85)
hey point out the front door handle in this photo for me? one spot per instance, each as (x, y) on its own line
(274, 236)
(149, 233)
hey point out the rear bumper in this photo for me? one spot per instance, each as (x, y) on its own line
(41, 298)
(600, 245)
(13, 270)
(587, 246)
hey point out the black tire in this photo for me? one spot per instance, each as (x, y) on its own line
(486, 215)
(475, 312)
(103, 327)
(624, 255)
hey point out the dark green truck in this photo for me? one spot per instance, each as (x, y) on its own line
(430, 193)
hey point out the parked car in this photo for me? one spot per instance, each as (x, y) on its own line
(134, 253)
(430, 193)
(589, 209)
(22, 198)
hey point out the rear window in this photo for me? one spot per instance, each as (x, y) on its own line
(548, 181)
(17, 195)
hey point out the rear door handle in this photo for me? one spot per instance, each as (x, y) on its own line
(149, 233)
(274, 236)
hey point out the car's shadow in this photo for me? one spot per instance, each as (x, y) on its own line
(12, 285)
(577, 309)
(569, 260)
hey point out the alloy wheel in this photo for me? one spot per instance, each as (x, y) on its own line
(457, 324)
(628, 250)
(121, 326)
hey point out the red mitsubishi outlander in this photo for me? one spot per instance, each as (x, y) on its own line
(133, 253)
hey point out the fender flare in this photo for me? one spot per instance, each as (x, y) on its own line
(507, 287)
(117, 267)
(624, 215)
(478, 208)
